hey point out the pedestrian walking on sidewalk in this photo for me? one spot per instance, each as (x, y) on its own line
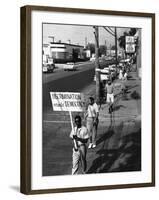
(120, 74)
(91, 117)
(125, 76)
(109, 89)
(80, 137)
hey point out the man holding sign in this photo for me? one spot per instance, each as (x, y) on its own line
(73, 102)
(80, 136)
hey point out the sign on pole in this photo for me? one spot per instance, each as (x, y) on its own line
(130, 39)
(130, 44)
(130, 48)
(67, 101)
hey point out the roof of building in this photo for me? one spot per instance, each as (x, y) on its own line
(75, 45)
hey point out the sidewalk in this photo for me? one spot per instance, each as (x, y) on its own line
(119, 134)
(127, 107)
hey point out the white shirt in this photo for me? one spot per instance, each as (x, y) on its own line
(92, 110)
(125, 75)
(81, 132)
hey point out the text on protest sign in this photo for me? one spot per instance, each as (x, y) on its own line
(67, 101)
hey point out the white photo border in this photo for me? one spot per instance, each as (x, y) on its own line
(39, 182)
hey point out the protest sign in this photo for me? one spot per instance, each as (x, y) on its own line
(67, 101)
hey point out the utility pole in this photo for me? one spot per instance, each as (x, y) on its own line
(116, 48)
(96, 33)
(85, 42)
(110, 49)
(105, 48)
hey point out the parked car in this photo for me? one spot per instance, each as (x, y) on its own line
(48, 68)
(105, 70)
(92, 59)
(105, 75)
(70, 66)
(48, 65)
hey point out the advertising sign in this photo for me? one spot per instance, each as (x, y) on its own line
(130, 48)
(130, 44)
(130, 39)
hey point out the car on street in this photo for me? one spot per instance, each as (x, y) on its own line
(105, 70)
(48, 68)
(48, 65)
(70, 66)
(92, 59)
(105, 74)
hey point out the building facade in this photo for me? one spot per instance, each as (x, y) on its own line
(63, 52)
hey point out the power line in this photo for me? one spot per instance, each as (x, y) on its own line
(111, 30)
(108, 31)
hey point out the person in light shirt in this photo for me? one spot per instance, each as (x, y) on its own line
(120, 74)
(91, 116)
(80, 136)
(109, 89)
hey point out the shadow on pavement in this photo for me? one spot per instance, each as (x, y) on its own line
(131, 87)
(115, 108)
(106, 136)
(126, 157)
(15, 188)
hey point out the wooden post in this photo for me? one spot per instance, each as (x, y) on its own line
(74, 141)
(96, 33)
(116, 48)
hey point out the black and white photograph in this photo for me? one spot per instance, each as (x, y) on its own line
(87, 117)
(91, 90)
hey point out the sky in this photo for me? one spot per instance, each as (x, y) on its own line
(78, 34)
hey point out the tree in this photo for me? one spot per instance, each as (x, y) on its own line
(132, 31)
(91, 47)
(121, 39)
(102, 50)
(75, 53)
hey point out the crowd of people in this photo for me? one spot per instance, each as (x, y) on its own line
(83, 134)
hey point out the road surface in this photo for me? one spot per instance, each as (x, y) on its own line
(66, 81)
(119, 135)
